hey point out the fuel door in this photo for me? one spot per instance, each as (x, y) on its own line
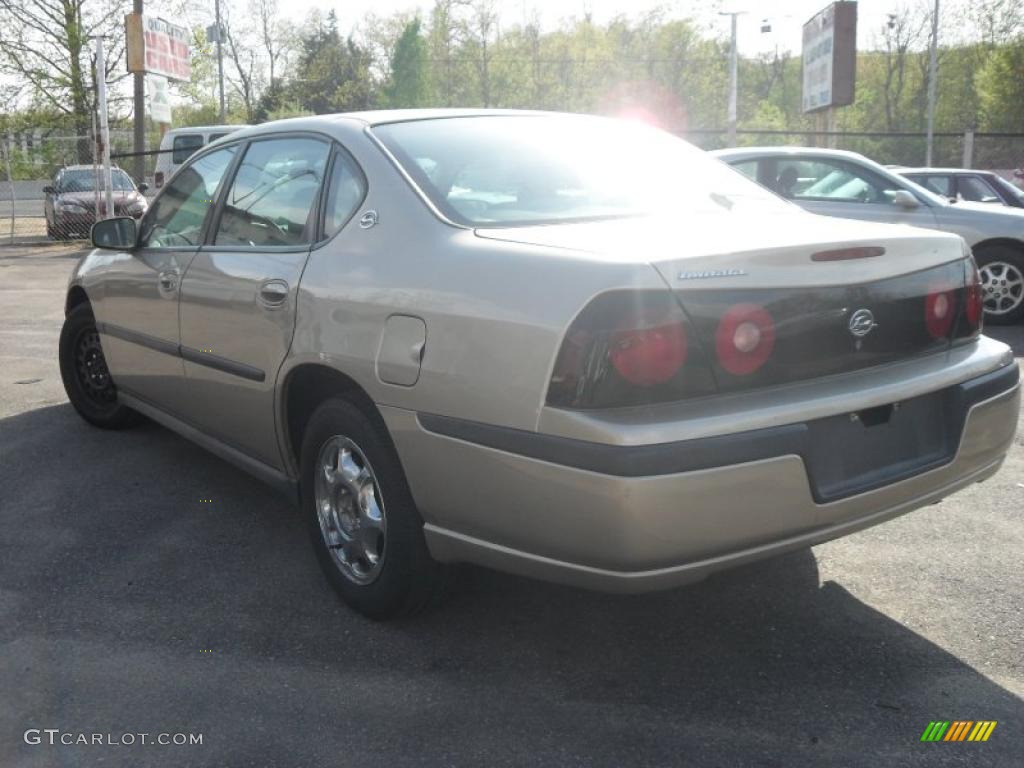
(401, 350)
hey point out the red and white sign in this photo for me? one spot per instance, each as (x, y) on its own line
(157, 47)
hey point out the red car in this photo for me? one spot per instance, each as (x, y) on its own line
(71, 201)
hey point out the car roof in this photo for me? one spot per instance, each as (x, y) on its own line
(88, 167)
(204, 129)
(934, 171)
(384, 116)
(787, 151)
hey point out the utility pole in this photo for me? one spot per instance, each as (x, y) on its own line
(101, 106)
(220, 60)
(932, 77)
(733, 76)
(139, 119)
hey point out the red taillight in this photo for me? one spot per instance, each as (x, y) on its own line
(939, 311)
(628, 348)
(744, 339)
(158, 179)
(975, 301)
(647, 357)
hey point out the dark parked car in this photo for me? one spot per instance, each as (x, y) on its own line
(961, 184)
(71, 201)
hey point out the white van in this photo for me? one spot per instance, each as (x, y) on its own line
(178, 144)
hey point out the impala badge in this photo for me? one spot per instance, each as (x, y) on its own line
(862, 322)
(708, 273)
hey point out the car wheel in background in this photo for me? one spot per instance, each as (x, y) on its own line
(87, 381)
(364, 525)
(1002, 283)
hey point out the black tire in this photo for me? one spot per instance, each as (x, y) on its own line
(1002, 267)
(408, 579)
(87, 381)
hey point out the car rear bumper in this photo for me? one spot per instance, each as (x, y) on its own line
(637, 518)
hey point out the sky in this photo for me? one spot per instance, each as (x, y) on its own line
(786, 17)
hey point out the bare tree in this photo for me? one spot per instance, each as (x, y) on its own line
(903, 32)
(46, 45)
(482, 28)
(276, 36)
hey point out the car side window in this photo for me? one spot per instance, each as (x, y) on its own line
(748, 168)
(345, 191)
(976, 190)
(272, 198)
(831, 181)
(184, 145)
(176, 218)
(940, 185)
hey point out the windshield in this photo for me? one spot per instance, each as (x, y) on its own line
(1007, 186)
(84, 180)
(515, 170)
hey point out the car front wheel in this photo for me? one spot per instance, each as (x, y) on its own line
(364, 525)
(87, 380)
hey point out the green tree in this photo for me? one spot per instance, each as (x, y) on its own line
(333, 73)
(407, 84)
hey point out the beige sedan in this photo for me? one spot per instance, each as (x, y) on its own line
(562, 346)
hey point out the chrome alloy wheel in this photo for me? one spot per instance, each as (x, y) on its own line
(350, 509)
(1002, 287)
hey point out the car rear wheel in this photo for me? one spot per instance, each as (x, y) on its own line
(364, 525)
(1002, 283)
(87, 380)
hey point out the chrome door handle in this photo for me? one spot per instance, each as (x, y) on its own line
(273, 293)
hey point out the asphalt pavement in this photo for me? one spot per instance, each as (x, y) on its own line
(148, 587)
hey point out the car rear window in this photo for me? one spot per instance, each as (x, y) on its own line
(519, 170)
(184, 145)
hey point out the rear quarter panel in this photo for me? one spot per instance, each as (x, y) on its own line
(495, 312)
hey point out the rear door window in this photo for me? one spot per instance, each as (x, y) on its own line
(184, 145)
(748, 168)
(271, 200)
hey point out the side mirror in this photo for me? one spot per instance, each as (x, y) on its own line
(904, 199)
(49, 189)
(118, 234)
(143, 187)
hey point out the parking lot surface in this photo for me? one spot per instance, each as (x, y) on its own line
(148, 587)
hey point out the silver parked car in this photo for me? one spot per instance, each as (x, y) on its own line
(516, 339)
(837, 183)
(961, 184)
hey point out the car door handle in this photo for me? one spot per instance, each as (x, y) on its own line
(168, 281)
(273, 293)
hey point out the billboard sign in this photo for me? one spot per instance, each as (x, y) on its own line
(830, 57)
(157, 47)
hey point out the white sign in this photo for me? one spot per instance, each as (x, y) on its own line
(819, 37)
(830, 57)
(157, 47)
(159, 99)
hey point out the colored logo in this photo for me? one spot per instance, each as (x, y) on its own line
(958, 730)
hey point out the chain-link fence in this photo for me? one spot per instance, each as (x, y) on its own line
(51, 185)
